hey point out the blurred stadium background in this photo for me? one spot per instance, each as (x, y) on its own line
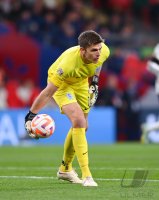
(33, 33)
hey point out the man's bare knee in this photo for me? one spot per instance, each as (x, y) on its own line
(75, 114)
(79, 122)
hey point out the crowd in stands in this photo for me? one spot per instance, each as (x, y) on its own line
(16, 94)
(130, 29)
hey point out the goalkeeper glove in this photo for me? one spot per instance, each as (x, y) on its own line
(28, 118)
(93, 91)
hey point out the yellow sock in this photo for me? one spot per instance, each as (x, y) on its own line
(69, 153)
(81, 149)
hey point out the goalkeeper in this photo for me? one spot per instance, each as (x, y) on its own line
(153, 67)
(68, 84)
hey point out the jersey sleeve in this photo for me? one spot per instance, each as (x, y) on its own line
(58, 73)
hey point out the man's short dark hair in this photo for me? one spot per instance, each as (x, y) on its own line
(89, 38)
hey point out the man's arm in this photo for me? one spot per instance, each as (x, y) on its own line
(41, 100)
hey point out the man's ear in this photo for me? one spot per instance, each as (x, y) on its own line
(82, 50)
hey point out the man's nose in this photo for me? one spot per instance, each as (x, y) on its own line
(98, 53)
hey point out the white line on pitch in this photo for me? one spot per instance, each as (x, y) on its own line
(28, 177)
(93, 168)
(47, 177)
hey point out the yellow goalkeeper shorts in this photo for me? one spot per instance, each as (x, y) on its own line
(67, 94)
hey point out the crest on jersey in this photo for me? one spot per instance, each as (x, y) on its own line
(69, 96)
(60, 71)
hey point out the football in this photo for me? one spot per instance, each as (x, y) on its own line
(43, 125)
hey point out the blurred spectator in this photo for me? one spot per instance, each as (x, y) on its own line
(154, 12)
(133, 67)
(49, 28)
(120, 5)
(116, 61)
(29, 24)
(110, 95)
(13, 100)
(20, 94)
(116, 23)
(27, 92)
(66, 35)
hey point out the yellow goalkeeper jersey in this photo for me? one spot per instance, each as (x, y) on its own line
(71, 69)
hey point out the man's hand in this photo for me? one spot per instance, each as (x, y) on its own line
(28, 118)
(93, 91)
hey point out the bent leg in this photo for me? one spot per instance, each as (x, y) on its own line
(79, 125)
(69, 151)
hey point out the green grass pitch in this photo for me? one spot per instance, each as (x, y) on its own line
(28, 173)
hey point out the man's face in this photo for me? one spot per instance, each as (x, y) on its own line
(91, 54)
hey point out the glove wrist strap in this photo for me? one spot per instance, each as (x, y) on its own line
(95, 79)
(30, 116)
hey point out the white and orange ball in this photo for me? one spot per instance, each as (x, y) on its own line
(43, 125)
